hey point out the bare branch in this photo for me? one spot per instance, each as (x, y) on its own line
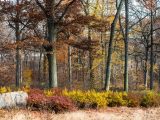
(65, 10)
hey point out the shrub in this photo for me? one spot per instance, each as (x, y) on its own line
(77, 96)
(5, 89)
(60, 104)
(59, 101)
(150, 99)
(48, 93)
(37, 99)
(26, 89)
(96, 99)
(57, 91)
(90, 99)
(134, 99)
(116, 99)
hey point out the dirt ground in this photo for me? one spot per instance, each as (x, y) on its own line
(121, 113)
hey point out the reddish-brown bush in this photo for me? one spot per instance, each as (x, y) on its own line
(38, 100)
(134, 99)
(61, 103)
(35, 91)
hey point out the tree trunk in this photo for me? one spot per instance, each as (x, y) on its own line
(151, 57)
(18, 55)
(102, 68)
(70, 66)
(109, 57)
(159, 79)
(45, 67)
(91, 73)
(39, 67)
(18, 68)
(146, 68)
(126, 46)
(83, 70)
(51, 55)
(52, 69)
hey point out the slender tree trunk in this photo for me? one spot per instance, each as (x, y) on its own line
(159, 79)
(70, 66)
(45, 67)
(104, 63)
(126, 46)
(91, 73)
(151, 55)
(18, 68)
(1, 58)
(146, 68)
(102, 66)
(109, 57)
(34, 61)
(79, 62)
(136, 62)
(18, 55)
(83, 70)
(39, 67)
(103, 49)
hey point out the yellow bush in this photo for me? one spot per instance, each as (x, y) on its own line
(150, 99)
(48, 93)
(90, 98)
(75, 95)
(26, 89)
(5, 89)
(96, 99)
(117, 99)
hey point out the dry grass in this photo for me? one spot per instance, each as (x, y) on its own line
(121, 113)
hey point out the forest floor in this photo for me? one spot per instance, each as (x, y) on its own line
(121, 113)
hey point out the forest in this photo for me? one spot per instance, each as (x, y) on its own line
(95, 52)
(80, 44)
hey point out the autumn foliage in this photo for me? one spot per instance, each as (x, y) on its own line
(38, 100)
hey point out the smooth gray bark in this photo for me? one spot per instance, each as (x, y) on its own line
(70, 66)
(52, 63)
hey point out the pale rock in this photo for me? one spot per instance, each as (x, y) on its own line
(13, 99)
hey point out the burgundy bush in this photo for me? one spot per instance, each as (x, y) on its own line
(38, 100)
(61, 103)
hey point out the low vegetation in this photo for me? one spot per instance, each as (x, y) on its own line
(39, 99)
(64, 100)
(58, 100)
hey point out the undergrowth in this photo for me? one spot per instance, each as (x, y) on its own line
(59, 100)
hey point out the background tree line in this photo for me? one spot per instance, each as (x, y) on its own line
(80, 44)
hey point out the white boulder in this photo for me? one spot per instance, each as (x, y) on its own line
(13, 99)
